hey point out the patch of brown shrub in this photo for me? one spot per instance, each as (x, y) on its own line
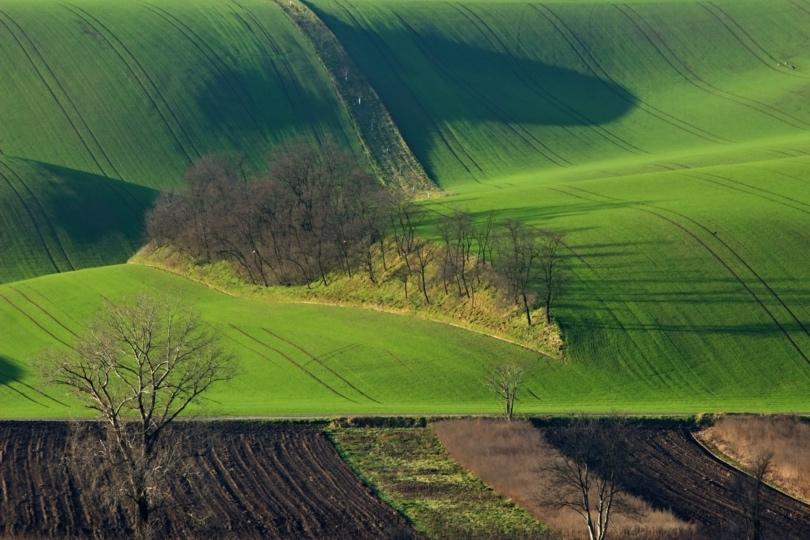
(514, 459)
(785, 438)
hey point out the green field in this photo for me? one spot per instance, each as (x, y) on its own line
(135, 92)
(669, 140)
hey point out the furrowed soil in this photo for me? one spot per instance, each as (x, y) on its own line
(249, 480)
(670, 469)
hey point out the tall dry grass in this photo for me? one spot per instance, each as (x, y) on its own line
(787, 438)
(513, 458)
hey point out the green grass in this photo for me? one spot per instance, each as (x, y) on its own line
(137, 91)
(664, 138)
(314, 360)
(412, 471)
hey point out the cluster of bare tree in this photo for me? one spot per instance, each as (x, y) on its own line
(526, 261)
(316, 212)
(313, 212)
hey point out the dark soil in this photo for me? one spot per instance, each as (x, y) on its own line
(251, 480)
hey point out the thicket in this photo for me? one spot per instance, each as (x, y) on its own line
(315, 214)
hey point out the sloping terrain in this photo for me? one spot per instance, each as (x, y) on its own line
(670, 469)
(485, 89)
(667, 140)
(292, 359)
(136, 92)
(248, 481)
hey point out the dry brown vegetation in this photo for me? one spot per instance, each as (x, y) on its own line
(786, 438)
(515, 460)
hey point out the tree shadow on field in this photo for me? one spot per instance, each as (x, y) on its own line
(11, 381)
(426, 78)
(96, 213)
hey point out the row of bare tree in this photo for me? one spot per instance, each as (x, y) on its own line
(316, 212)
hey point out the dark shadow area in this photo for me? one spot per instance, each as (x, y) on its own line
(669, 469)
(9, 371)
(10, 379)
(460, 81)
(99, 215)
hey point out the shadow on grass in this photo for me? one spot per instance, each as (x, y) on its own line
(427, 79)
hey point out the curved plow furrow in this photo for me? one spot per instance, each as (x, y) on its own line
(447, 137)
(43, 213)
(34, 222)
(746, 40)
(523, 134)
(495, 41)
(219, 65)
(725, 264)
(321, 363)
(79, 119)
(688, 75)
(583, 52)
(143, 79)
(294, 363)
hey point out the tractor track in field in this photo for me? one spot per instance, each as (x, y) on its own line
(53, 94)
(293, 362)
(453, 147)
(122, 51)
(320, 363)
(494, 40)
(526, 136)
(598, 70)
(619, 323)
(64, 92)
(649, 210)
(215, 61)
(276, 50)
(798, 5)
(43, 213)
(34, 222)
(43, 310)
(246, 480)
(746, 40)
(719, 180)
(35, 322)
(689, 76)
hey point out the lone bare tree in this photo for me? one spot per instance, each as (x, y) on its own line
(749, 490)
(551, 271)
(505, 381)
(142, 364)
(587, 473)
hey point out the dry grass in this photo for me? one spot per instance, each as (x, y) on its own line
(744, 438)
(513, 458)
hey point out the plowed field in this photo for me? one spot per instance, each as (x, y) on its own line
(251, 480)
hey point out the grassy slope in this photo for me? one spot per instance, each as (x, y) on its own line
(361, 361)
(689, 253)
(135, 92)
(690, 265)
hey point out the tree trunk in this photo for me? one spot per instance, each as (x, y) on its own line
(526, 308)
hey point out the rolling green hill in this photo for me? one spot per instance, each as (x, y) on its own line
(300, 359)
(135, 91)
(669, 140)
(482, 89)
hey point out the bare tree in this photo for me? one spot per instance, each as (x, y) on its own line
(505, 381)
(749, 491)
(517, 261)
(587, 473)
(424, 251)
(552, 275)
(142, 363)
